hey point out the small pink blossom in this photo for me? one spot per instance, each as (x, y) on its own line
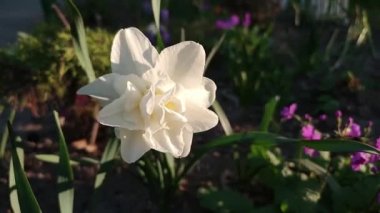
(323, 117)
(338, 114)
(227, 24)
(308, 132)
(287, 113)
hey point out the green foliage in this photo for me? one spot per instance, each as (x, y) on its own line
(225, 201)
(251, 64)
(47, 58)
(65, 179)
(26, 199)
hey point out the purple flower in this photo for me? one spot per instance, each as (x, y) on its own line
(247, 20)
(377, 144)
(227, 24)
(308, 117)
(353, 129)
(308, 132)
(287, 113)
(165, 16)
(338, 114)
(323, 117)
(311, 152)
(358, 159)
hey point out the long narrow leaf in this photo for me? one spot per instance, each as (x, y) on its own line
(107, 160)
(156, 4)
(79, 40)
(12, 182)
(26, 199)
(65, 172)
(106, 163)
(54, 159)
(320, 171)
(222, 118)
(269, 111)
(337, 145)
(5, 135)
(213, 51)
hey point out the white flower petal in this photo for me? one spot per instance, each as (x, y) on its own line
(102, 89)
(115, 115)
(133, 145)
(205, 94)
(129, 82)
(187, 135)
(173, 140)
(184, 63)
(132, 52)
(200, 118)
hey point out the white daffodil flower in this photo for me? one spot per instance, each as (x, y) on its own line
(154, 101)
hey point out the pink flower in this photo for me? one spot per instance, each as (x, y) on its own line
(308, 132)
(359, 159)
(323, 117)
(287, 113)
(352, 130)
(338, 114)
(227, 24)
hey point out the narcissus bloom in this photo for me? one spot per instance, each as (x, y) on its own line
(154, 101)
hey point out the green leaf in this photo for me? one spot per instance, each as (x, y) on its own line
(225, 201)
(5, 135)
(259, 138)
(156, 4)
(222, 118)
(65, 173)
(214, 49)
(79, 40)
(12, 182)
(322, 172)
(26, 199)
(357, 197)
(52, 158)
(107, 161)
(338, 145)
(269, 110)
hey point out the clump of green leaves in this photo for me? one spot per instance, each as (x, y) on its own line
(251, 64)
(46, 58)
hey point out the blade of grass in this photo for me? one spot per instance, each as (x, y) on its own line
(26, 199)
(107, 161)
(5, 135)
(320, 171)
(338, 145)
(65, 173)
(214, 49)
(79, 40)
(222, 118)
(12, 182)
(52, 158)
(269, 111)
(156, 4)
